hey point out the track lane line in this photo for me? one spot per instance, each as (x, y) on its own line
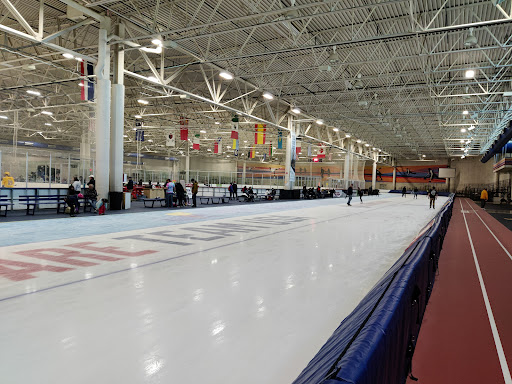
(497, 341)
(492, 233)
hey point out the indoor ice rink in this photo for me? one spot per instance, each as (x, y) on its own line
(248, 192)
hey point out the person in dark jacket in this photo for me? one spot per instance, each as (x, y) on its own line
(360, 194)
(404, 192)
(91, 197)
(235, 190)
(180, 194)
(129, 186)
(92, 181)
(72, 201)
(350, 192)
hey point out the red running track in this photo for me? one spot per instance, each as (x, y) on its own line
(465, 338)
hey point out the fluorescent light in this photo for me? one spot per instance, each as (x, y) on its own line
(68, 55)
(471, 128)
(268, 95)
(218, 123)
(295, 110)
(150, 141)
(347, 135)
(81, 85)
(463, 130)
(373, 149)
(209, 150)
(47, 113)
(3, 117)
(157, 42)
(36, 93)
(245, 141)
(359, 141)
(226, 75)
(125, 135)
(145, 102)
(153, 79)
(465, 112)
(335, 129)
(48, 124)
(78, 59)
(470, 74)
(138, 116)
(367, 145)
(202, 131)
(319, 121)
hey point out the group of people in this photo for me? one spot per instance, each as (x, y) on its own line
(90, 196)
(431, 195)
(233, 191)
(177, 188)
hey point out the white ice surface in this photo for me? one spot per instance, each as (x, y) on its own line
(248, 308)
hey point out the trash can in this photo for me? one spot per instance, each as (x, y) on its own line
(115, 200)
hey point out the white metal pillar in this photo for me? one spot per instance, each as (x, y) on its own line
(117, 125)
(244, 172)
(289, 170)
(102, 71)
(347, 164)
(187, 164)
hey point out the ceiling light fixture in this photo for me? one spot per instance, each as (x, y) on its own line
(334, 58)
(463, 130)
(268, 95)
(48, 113)
(359, 83)
(462, 140)
(79, 59)
(138, 116)
(157, 42)
(347, 135)
(141, 101)
(465, 112)
(319, 121)
(217, 123)
(35, 93)
(359, 141)
(295, 110)
(470, 74)
(3, 117)
(68, 55)
(367, 145)
(202, 131)
(335, 129)
(153, 79)
(48, 124)
(471, 40)
(226, 75)
(471, 128)
(423, 155)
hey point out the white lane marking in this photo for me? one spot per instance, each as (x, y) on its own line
(497, 342)
(492, 233)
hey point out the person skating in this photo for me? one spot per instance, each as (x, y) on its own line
(432, 197)
(415, 192)
(484, 197)
(360, 194)
(350, 191)
(404, 192)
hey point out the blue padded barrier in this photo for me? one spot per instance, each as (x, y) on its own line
(424, 193)
(375, 343)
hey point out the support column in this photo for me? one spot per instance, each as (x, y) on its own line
(289, 170)
(374, 174)
(102, 71)
(187, 165)
(394, 174)
(117, 124)
(244, 172)
(346, 173)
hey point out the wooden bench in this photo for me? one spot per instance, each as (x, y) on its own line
(152, 201)
(5, 201)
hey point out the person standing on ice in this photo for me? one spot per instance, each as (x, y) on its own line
(432, 197)
(360, 194)
(350, 191)
(415, 192)
(404, 192)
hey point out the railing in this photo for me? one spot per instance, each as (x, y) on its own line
(375, 343)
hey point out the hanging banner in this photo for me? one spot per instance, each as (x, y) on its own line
(87, 91)
(252, 153)
(170, 139)
(234, 128)
(279, 139)
(183, 128)
(270, 150)
(259, 135)
(217, 146)
(298, 147)
(139, 135)
(309, 150)
(196, 144)
(321, 151)
(235, 147)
